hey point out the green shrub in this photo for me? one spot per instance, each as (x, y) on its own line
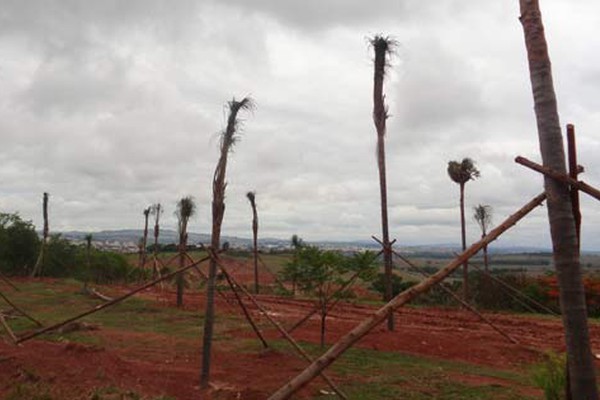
(550, 376)
(398, 284)
(19, 245)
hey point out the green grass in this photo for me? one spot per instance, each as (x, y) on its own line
(365, 374)
(55, 302)
(410, 377)
(362, 373)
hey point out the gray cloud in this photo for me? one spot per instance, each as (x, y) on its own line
(111, 106)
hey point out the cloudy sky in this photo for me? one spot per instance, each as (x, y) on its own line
(112, 105)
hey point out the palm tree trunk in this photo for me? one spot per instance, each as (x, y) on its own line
(218, 211)
(255, 247)
(485, 258)
(155, 250)
(463, 237)
(180, 277)
(379, 118)
(560, 213)
(39, 264)
(218, 208)
(144, 241)
(323, 321)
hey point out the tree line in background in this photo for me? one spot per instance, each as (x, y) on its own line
(20, 247)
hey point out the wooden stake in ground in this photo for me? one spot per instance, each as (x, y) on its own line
(108, 303)
(563, 229)
(286, 335)
(382, 46)
(241, 304)
(252, 199)
(39, 264)
(573, 172)
(20, 310)
(286, 391)
(228, 139)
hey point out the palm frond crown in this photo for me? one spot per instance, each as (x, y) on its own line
(462, 172)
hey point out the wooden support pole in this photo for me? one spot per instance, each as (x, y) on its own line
(280, 328)
(108, 303)
(316, 308)
(270, 271)
(241, 304)
(580, 185)
(19, 310)
(286, 391)
(573, 172)
(7, 329)
(8, 282)
(458, 299)
(514, 290)
(203, 275)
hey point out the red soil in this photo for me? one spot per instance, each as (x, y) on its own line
(156, 364)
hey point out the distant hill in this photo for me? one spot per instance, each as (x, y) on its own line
(168, 236)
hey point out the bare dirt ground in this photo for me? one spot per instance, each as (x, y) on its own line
(153, 364)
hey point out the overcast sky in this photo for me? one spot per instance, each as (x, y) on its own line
(113, 105)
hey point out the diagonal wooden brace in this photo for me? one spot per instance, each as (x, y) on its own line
(580, 185)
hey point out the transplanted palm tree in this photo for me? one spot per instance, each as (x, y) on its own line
(39, 264)
(156, 210)
(482, 214)
(582, 376)
(186, 208)
(144, 241)
(88, 260)
(228, 139)
(252, 199)
(382, 46)
(461, 173)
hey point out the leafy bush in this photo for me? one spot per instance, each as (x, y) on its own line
(19, 245)
(398, 284)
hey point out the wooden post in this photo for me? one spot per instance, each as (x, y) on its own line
(515, 290)
(584, 187)
(23, 313)
(573, 172)
(8, 282)
(241, 304)
(107, 304)
(458, 299)
(346, 284)
(400, 300)
(280, 328)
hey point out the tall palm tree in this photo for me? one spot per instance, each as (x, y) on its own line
(482, 214)
(186, 208)
(382, 47)
(156, 210)
(461, 173)
(144, 241)
(582, 375)
(252, 199)
(88, 259)
(228, 139)
(39, 264)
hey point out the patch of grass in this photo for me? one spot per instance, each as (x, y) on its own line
(550, 375)
(411, 377)
(29, 391)
(55, 302)
(365, 374)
